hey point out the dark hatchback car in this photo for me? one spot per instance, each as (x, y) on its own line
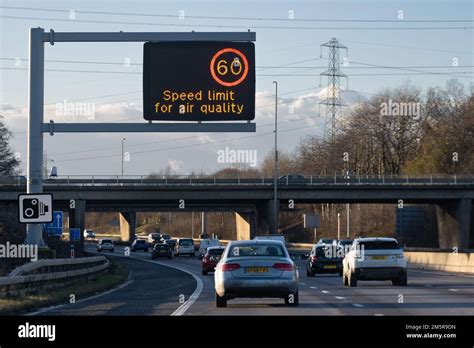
(140, 244)
(324, 259)
(171, 243)
(162, 250)
(211, 258)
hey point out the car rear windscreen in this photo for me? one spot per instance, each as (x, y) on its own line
(216, 252)
(256, 250)
(375, 245)
(186, 242)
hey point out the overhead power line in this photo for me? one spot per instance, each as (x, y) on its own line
(266, 75)
(245, 27)
(345, 20)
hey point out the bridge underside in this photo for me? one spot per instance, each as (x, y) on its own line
(253, 205)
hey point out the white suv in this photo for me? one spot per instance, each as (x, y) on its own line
(184, 246)
(375, 259)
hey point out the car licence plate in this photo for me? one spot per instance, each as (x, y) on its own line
(330, 266)
(256, 269)
(379, 257)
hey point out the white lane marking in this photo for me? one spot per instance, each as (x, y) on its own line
(428, 285)
(325, 291)
(194, 296)
(313, 287)
(358, 305)
(453, 289)
(302, 283)
(121, 286)
(340, 298)
(379, 314)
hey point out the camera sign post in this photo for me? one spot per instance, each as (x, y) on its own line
(35, 208)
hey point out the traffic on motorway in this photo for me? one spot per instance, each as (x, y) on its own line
(264, 268)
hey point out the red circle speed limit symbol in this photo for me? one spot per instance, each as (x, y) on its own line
(233, 69)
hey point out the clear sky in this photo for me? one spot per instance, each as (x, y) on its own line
(293, 44)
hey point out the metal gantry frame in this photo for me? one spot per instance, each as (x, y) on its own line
(36, 125)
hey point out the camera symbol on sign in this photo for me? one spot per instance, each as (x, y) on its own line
(33, 208)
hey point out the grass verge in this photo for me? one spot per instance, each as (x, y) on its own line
(81, 288)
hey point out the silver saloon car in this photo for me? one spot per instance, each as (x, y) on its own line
(256, 268)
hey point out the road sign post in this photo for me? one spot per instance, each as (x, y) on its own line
(36, 125)
(312, 221)
(34, 232)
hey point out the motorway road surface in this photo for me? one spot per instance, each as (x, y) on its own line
(155, 290)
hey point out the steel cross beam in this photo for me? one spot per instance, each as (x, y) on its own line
(36, 127)
(221, 127)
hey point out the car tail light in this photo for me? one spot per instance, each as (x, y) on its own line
(230, 266)
(283, 266)
(314, 259)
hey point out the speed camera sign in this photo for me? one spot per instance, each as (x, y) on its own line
(35, 208)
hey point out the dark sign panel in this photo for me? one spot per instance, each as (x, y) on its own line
(199, 81)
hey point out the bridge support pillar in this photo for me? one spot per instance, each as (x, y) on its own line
(455, 224)
(266, 218)
(245, 224)
(77, 216)
(128, 222)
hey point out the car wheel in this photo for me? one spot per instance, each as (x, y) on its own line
(204, 272)
(221, 301)
(307, 273)
(352, 280)
(169, 257)
(111, 250)
(176, 254)
(292, 300)
(340, 273)
(401, 280)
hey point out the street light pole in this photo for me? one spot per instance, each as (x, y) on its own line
(338, 226)
(123, 140)
(348, 211)
(275, 171)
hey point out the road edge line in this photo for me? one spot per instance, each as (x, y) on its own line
(121, 286)
(194, 296)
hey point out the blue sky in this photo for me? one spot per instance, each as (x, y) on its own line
(274, 47)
